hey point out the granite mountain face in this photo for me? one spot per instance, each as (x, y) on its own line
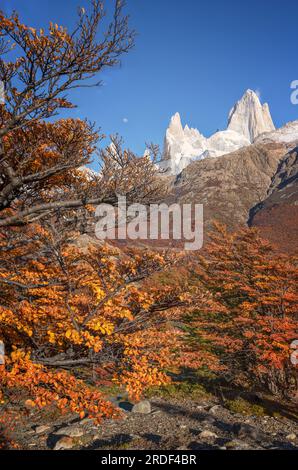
(229, 186)
(249, 118)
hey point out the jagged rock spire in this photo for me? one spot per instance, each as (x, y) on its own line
(249, 118)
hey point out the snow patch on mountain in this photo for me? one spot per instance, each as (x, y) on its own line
(287, 134)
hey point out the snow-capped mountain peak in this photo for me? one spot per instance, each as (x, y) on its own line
(247, 120)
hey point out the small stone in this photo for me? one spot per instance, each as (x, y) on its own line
(182, 426)
(70, 431)
(214, 409)
(291, 437)
(208, 434)
(244, 430)
(143, 407)
(64, 443)
(134, 436)
(42, 429)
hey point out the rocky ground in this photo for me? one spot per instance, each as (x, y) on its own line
(161, 423)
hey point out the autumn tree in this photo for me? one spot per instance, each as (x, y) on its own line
(245, 308)
(65, 306)
(35, 154)
(68, 308)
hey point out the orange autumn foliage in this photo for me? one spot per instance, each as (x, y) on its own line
(246, 307)
(84, 308)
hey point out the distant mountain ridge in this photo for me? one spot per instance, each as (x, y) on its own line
(249, 121)
(230, 185)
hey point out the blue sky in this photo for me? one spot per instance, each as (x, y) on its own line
(193, 56)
